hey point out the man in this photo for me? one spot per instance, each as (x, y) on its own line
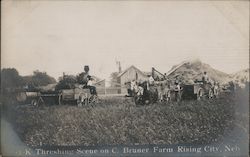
(128, 86)
(83, 77)
(140, 89)
(166, 90)
(232, 86)
(133, 87)
(91, 86)
(177, 89)
(216, 89)
(151, 80)
(161, 90)
(205, 78)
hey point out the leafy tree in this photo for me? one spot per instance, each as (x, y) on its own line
(10, 79)
(39, 79)
(66, 82)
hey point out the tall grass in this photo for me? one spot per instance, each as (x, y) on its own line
(119, 121)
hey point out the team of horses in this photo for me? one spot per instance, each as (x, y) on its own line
(165, 91)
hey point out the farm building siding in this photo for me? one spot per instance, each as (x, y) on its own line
(100, 87)
(130, 74)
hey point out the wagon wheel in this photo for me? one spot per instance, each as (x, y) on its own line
(34, 102)
(200, 94)
(92, 99)
(138, 100)
(210, 93)
(85, 102)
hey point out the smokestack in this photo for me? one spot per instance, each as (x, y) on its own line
(63, 75)
(119, 66)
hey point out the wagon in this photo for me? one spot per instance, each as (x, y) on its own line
(197, 91)
(36, 98)
(77, 96)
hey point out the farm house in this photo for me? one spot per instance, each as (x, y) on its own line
(131, 73)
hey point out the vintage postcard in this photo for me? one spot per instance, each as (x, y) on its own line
(125, 78)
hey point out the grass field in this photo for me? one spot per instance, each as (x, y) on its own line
(118, 121)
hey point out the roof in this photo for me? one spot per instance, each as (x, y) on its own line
(176, 67)
(132, 66)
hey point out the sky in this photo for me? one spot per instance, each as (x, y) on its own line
(63, 36)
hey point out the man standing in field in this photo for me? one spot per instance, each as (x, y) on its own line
(166, 90)
(177, 89)
(207, 82)
(162, 90)
(133, 87)
(205, 78)
(129, 91)
(216, 89)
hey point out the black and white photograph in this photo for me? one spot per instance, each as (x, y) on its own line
(163, 78)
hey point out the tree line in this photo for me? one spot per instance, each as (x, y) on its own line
(11, 80)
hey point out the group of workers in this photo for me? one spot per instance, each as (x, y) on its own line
(213, 84)
(138, 87)
(164, 86)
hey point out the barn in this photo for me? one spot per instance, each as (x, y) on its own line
(128, 75)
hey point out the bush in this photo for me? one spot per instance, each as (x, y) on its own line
(10, 80)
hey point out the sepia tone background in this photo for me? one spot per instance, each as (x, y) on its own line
(63, 36)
